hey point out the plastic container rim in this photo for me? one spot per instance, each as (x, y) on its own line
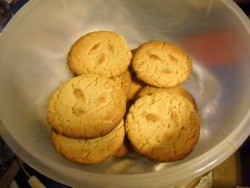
(191, 169)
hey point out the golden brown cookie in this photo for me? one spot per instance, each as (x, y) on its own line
(89, 151)
(124, 80)
(163, 127)
(161, 64)
(136, 85)
(104, 53)
(148, 90)
(123, 150)
(86, 106)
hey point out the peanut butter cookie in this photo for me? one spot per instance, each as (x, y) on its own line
(163, 127)
(89, 151)
(161, 64)
(125, 81)
(136, 85)
(86, 106)
(104, 53)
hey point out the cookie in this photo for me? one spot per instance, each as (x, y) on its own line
(148, 90)
(86, 106)
(123, 150)
(104, 53)
(124, 80)
(161, 64)
(136, 85)
(163, 127)
(89, 151)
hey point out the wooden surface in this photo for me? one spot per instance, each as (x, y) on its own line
(226, 175)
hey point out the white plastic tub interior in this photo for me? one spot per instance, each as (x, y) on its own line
(33, 53)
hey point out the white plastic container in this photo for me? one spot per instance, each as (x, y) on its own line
(33, 52)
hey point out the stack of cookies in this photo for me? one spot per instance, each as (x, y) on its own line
(162, 124)
(117, 95)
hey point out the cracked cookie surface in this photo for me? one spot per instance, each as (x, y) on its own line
(136, 85)
(124, 80)
(161, 64)
(89, 151)
(148, 90)
(163, 126)
(101, 52)
(86, 106)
